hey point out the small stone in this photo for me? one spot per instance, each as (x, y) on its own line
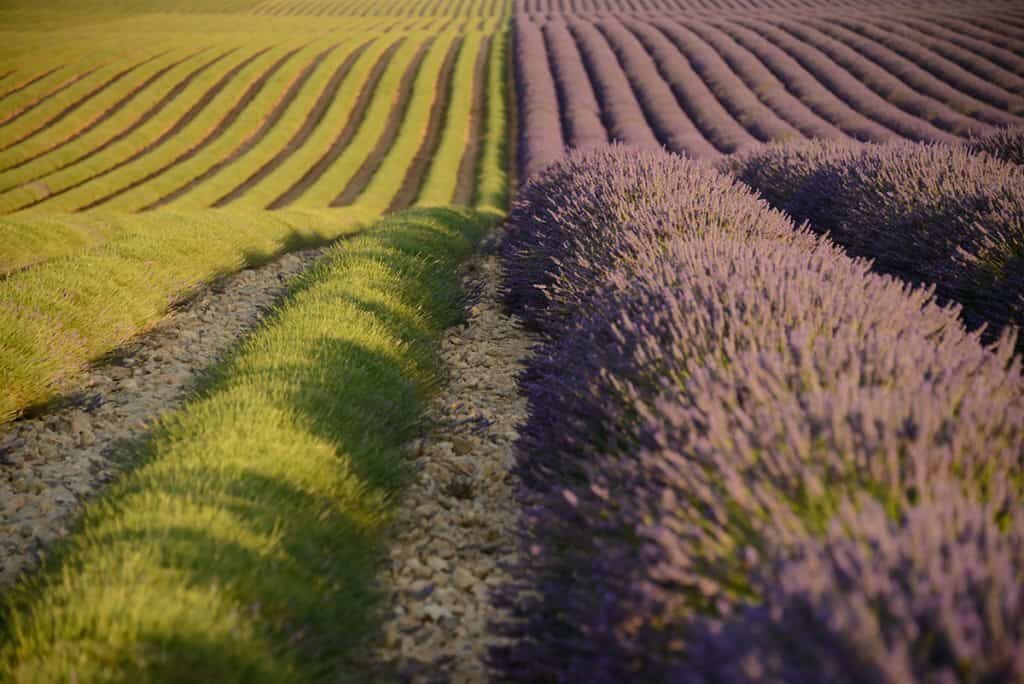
(464, 579)
(462, 445)
(437, 564)
(436, 612)
(86, 438)
(25, 530)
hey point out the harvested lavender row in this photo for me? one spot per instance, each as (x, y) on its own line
(931, 214)
(700, 433)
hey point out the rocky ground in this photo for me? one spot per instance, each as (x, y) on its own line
(456, 527)
(51, 463)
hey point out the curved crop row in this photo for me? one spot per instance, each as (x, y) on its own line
(438, 114)
(734, 95)
(716, 125)
(452, 174)
(580, 112)
(932, 214)
(540, 140)
(253, 119)
(328, 141)
(57, 316)
(946, 63)
(731, 410)
(282, 100)
(951, 30)
(100, 111)
(714, 82)
(946, 122)
(157, 131)
(911, 74)
(417, 83)
(845, 85)
(134, 194)
(762, 82)
(55, 169)
(624, 116)
(69, 100)
(25, 102)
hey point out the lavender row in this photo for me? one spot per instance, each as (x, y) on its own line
(760, 80)
(910, 73)
(540, 135)
(969, 74)
(581, 114)
(624, 116)
(580, 217)
(702, 107)
(730, 409)
(931, 214)
(850, 89)
(670, 111)
(735, 96)
(806, 86)
(935, 118)
(1006, 144)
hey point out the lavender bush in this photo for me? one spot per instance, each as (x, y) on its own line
(1006, 144)
(931, 214)
(565, 227)
(936, 596)
(714, 399)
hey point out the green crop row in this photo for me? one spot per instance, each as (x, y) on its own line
(242, 546)
(59, 315)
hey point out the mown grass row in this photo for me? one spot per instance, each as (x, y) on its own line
(242, 546)
(57, 316)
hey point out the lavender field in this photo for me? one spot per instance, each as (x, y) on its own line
(774, 252)
(705, 79)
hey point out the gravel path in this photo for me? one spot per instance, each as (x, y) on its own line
(456, 527)
(51, 463)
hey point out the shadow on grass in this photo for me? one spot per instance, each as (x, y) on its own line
(242, 547)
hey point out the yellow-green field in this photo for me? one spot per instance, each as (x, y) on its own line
(130, 132)
(149, 147)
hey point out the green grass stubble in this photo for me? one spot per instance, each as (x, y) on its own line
(59, 315)
(243, 547)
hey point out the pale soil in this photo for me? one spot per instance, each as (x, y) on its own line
(456, 526)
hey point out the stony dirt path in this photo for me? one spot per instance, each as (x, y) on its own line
(51, 463)
(456, 527)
